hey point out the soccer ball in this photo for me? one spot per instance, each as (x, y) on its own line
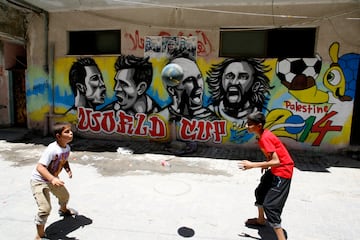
(288, 68)
(172, 74)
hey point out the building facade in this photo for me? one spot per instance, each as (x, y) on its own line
(124, 88)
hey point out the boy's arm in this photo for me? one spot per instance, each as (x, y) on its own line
(68, 169)
(273, 161)
(47, 175)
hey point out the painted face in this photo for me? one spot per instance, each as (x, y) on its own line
(125, 88)
(237, 79)
(95, 86)
(191, 87)
(171, 46)
(148, 44)
(183, 45)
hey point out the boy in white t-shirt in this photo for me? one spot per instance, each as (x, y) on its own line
(45, 178)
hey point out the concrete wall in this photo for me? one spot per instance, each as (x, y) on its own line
(313, 115)
(4, 85)
(12, 23)
(12, 33)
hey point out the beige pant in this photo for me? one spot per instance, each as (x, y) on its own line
(41, 192)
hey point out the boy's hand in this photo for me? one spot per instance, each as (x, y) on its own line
(245, 164)
(57, 182)
(70, 174)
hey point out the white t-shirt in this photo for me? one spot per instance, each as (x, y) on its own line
(54, 158)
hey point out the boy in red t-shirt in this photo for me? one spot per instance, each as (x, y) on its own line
(274, 186)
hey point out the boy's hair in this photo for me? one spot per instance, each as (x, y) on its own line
(59, 127)
(257, 117)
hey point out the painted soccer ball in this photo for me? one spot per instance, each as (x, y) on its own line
(172, 74)
(288, 68)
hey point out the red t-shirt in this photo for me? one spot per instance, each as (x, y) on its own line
(270, 143)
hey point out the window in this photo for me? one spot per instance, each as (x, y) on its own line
(269, 43)
(94, 42)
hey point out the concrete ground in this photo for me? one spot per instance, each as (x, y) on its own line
(137, 191)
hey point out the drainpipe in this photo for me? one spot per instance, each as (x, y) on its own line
(28, 6)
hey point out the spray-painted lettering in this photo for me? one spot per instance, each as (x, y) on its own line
(124, 124)
(323, 126)
(306, 108)
(201, 130)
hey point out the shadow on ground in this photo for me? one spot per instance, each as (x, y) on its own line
(265, 232)
(305, 160)
(62, 228)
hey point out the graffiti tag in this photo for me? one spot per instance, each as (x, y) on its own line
(137, 42)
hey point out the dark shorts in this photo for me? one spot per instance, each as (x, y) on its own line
(271, 194)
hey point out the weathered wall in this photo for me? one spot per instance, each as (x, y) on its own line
(136, 23)
(317, 112)
(12, 33)
(38, 82)
(12, 23)
(4, 85)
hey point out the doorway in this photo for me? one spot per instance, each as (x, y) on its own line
(17, 78)
(16, 64)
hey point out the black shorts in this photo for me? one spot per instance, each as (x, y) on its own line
(271, 194)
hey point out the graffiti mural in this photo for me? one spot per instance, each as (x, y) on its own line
(87, 84)
(238, 87)
(299, 75)
(320, 108)
(187, 95)
(132, 79)
(305, 100)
